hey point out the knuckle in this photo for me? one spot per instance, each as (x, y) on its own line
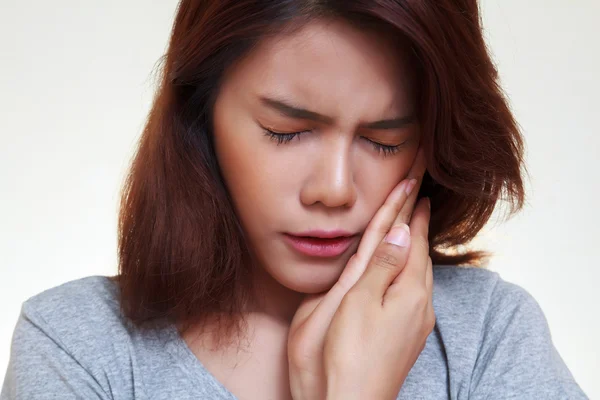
(385, 259)
(419, 298)
(345, 282)
(397, 206)
(404, 216)
(381, 228)
(422, 300)
(430, 321)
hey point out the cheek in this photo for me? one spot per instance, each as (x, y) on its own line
(377, 180)
(258, 179)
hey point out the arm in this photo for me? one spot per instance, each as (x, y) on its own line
(517, 358)
(41, 367)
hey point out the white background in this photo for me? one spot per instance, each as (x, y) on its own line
(76, 83)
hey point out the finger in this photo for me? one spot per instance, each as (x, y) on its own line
(318, 310)
(417, 172)
(321, 308)
(386, 263)
(416, 266)
(329, 299)
(369, 244)
(381, 223)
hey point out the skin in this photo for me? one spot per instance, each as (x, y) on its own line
(329, 177)
(361, 338)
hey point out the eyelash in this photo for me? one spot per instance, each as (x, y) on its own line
(282, 138)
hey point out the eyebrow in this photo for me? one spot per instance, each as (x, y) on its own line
(292, 111)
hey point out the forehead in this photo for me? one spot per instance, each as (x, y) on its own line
(333, 67)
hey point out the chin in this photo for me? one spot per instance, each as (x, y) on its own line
(309, 278)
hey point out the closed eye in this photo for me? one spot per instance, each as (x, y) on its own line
(286, 137)
(282, 137)
(386, 149)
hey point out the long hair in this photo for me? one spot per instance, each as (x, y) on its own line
(182, 252)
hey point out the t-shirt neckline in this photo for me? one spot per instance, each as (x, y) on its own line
(188, 361)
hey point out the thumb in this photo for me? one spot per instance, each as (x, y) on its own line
(387, 262)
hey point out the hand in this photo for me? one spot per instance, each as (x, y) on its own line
(366, 332)
(382, 323)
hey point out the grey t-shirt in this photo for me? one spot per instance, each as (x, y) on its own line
(491, 341)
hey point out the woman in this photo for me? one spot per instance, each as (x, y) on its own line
(290, 222)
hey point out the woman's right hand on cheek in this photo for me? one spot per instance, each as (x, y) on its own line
(361, 338)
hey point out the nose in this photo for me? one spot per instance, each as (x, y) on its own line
(331, 180)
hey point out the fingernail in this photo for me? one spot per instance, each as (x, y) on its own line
(410, 185)
(399, 235)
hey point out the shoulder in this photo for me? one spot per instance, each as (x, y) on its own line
(84, 291)
(92, 300)
(498, 332)
(69, 340)
(82, 317)
(472, 304)
(464, 286)
(480, 291)
(480, 300)
(474, 288)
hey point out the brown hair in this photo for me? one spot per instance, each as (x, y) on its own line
(182, 252)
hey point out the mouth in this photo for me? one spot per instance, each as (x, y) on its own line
(321, 243)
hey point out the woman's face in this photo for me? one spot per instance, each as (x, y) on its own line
(349, 94)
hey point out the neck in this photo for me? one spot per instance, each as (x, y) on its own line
(269, 313)
(272, 300)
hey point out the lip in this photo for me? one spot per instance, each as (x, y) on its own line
(320, 243)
